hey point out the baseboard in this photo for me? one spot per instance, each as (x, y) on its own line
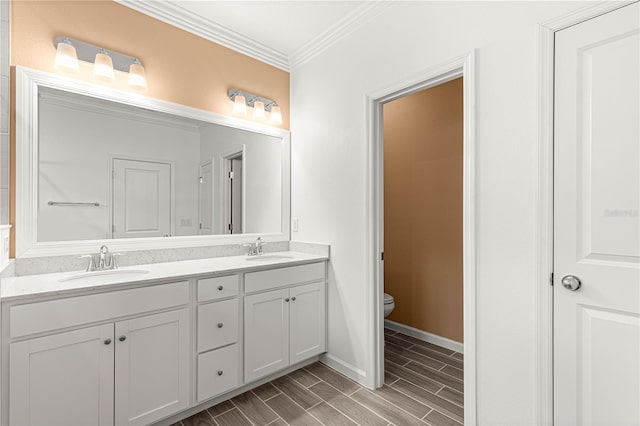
(423, 335)
(345, 368)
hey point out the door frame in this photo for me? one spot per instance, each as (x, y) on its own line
(200, 167)
(226, 192)
(462, 66)
(545, 77)
(172, 177)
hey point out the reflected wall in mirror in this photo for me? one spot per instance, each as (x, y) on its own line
(109, 170)
(94, 163)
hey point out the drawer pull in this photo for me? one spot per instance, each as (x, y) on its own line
(286, 299)
(293, 298)
(220, 325)
(122, 338)
(107, 342)
(220, 287)
(220, 372)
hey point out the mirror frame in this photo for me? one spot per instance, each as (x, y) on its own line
(28, 84)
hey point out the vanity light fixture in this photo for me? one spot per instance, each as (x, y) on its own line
(105, 61)
(242, 100)
(66, 56)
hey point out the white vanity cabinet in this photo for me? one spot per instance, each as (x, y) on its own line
(286, 325)
(129, 372)
(144, 352)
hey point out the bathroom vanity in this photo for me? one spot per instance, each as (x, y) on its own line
(145, 343)
(184, 322)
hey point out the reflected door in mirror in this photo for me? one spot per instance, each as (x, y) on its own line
(141, 199)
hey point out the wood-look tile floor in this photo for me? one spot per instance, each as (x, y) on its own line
(423, 385)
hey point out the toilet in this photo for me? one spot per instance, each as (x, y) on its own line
(389, 304)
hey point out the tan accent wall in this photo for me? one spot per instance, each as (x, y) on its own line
(423, 136)
(180, 67)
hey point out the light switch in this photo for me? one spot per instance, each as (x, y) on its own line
(294, 224)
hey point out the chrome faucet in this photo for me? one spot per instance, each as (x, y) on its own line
(102, 261)
(255, 249)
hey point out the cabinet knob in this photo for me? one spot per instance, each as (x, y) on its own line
(220, 372)
(220, 325)
(293, 298)
(220, 287)
(286, 299)
(122, 338)
(107, 342)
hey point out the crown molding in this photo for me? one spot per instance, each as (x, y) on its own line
(181, 18)
(336, 32)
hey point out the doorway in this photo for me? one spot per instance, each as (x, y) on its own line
(451, 70)
(422, 181)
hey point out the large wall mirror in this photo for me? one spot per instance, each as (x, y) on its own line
(96, 164)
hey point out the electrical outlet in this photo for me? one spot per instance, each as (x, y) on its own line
(294, 224)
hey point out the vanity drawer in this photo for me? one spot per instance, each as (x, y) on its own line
(217, 324)
(273, 278)
(218, 287)
(217, 372)
(73, 311)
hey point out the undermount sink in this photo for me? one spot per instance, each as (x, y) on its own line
(269, 257)
(122, 273)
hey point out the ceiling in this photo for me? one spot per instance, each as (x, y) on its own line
(284, 34)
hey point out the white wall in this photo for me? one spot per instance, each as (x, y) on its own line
(75, 143)
(329, 146)
(262, 173)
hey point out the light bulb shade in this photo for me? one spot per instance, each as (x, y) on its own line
(103, 67)
(239, 105)
(137, 77)
(258, 109)
(276, 115)
(66, 57)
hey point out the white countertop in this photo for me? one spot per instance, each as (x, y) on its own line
(30, 286)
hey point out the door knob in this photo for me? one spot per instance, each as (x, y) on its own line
(571, 282)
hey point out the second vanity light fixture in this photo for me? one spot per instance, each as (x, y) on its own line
(242, 99)
(68, 51)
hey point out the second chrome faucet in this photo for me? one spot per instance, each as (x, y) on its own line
(255, 249)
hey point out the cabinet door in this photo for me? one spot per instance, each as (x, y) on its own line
(152, 367)
(266, 321)
(64, 379)
(308, 321)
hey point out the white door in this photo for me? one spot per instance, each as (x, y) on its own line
(596, 223)
(65, 379)
(307, 327)
(151, 367)
(266, 333)
(206, 199)
(141, 199)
